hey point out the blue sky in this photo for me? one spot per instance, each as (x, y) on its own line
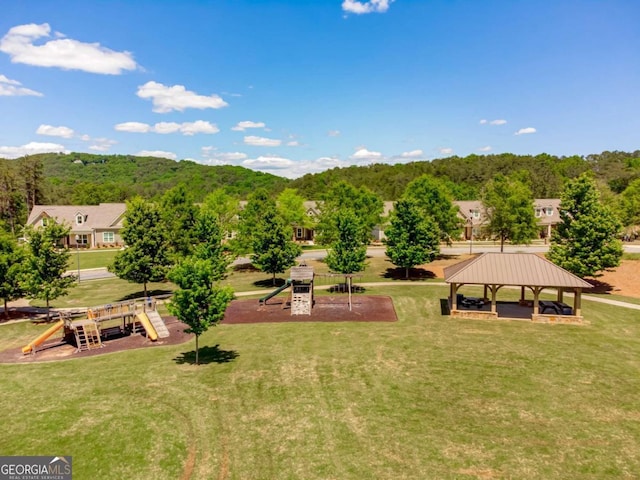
(297, 86)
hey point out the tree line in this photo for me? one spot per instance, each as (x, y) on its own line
(192, 244)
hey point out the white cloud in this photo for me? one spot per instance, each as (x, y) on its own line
(333, 133)
(364, 154)
(268, 162)
(485, 149)
(177, 97)
(229, 157)
(524, 131)
(63, 53)
(31, 149)
(353, 6)
(101, 144)
(498, 121)
(412, 154)
(135, 127)
(12, 88)
(199, 126)
(156, 153)
(261, 141)
(242, 126)
(64, 132)
(445, 150)
(165, 127)
(293, 143)
(186, 128)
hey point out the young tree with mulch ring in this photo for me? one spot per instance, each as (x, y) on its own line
(198, 302)
(412, 239)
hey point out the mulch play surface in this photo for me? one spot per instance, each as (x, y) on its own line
(58, 350)
(327, 308)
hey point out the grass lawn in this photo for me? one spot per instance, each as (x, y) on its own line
(428, 397)
(91, 258)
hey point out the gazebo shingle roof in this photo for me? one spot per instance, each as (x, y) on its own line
(521, 269)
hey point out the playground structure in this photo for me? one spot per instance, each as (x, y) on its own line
(103, 322)
(301, 296)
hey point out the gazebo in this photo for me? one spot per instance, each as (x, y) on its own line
(525, 270)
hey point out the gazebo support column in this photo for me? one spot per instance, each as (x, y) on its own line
(536, 298)
(560, 293)
(577, 302)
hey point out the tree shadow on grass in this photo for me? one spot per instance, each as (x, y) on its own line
(244, 267)
(414, 274)
(598, 286)
(207, 355)
(140, 295)
(268, 283)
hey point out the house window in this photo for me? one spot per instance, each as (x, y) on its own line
(108, 237)
(44, 222)
(549, 211)
(82, 239)
(475, 213)
(298, 233)
(538, 212)
(79, 219)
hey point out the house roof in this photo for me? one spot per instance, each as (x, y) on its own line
(103, 216)
(521, 269)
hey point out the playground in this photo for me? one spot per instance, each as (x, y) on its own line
(326, 308)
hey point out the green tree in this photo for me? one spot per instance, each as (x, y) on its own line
(629, 204)
(585, 242)
(433, 198)
(209, 243)
(11, 257)
(145, 258)
(46, 262)
(12, 200)
(32, 173)
(257, 203)
(342, 197)
(412, 238)
(273, 249)
(508, 205)
(198, 302)
(225, 208)
(178, 212)
(348, 252)
(291, 209)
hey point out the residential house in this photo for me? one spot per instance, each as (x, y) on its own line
(473, 217)
(92, 226)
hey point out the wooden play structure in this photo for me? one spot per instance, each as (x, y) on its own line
(301, 296)
(103, 322)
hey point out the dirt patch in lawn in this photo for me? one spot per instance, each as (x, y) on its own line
(59, 350)
(327, 308)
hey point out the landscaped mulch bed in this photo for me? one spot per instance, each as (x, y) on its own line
(327, 308)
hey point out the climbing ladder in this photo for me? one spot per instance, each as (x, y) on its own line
(158, 324)
(87, 335)
(301, 300)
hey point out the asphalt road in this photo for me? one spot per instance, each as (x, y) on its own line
(100, 273)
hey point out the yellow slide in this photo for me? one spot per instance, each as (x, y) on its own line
(146, 323)
(42, 337)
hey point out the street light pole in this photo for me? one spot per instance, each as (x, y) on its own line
(470, 232)
(78, 256)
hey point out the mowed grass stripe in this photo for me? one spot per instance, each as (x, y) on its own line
(425, 397)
